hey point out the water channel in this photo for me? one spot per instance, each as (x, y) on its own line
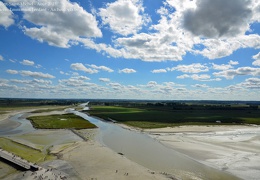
(138, 147)
(146, 151)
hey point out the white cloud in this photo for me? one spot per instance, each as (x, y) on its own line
(192, 68)
(77, 81)
(200, 86)
(251, 83)
(103, 68)
(6, 16)
(201, 77)
(10, 71)
(170, 41)
(1, 58)
(231, 73)
(219, 18)
(127, 70)
(152, 84)
(198, 77)
(104, 79)
(124, 16)
(36, 74)
(257, 59)
(61, 28)
(81, 67)
(221, 67)
(184, 76)
(256, 62)
(159, 71)
(32, 82)
(233, 62)
(27, 62)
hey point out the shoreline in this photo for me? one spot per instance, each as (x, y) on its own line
(209, 145)
(234, 149)
(96, 156)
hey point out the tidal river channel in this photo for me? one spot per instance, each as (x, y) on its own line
(146, 151)
(138, 147)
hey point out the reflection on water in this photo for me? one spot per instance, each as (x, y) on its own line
(16, 125)
(150, 153)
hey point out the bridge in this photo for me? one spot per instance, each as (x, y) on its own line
(18, 160)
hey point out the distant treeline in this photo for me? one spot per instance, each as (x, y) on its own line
(5, 102)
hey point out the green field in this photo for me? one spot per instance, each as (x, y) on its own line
(64, 121)
(23, 151)
(156, 117)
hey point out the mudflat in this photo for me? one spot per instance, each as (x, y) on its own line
(234, 149)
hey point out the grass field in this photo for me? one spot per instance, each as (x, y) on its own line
(23, 151)
(63, 121)
(160, 117)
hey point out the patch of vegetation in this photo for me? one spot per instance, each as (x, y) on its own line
(23, 151)
(161, 116)
(64, 121)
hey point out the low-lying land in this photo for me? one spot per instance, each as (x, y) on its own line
(26, 152)
(148, 116)
(63, 121)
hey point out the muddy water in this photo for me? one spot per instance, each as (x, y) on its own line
(136, 146)
(16, 124)
(141, 148)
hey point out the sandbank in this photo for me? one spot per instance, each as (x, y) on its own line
(234, 149)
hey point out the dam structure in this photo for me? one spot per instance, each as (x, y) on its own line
(14, 159)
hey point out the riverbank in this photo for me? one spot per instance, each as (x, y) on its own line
(78, 159)
(234, 149)
(92, 160)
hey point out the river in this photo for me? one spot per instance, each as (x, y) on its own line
(136, 146)
(146, 151)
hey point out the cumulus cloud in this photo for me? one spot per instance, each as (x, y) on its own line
(36, 74)
(61, 24)
(152, 84)
(32, 82)
(104, 79)
(218, 48)
(159, 71)
(251, 83)
(231, 73)
(103, 68)
(221, 67)
(192, 68)
(76, 81)
(200, 86)
(127, 71)
(198, 77)
(233, 62)
(257, 59)
(81, 67)
(10, 71)
(124, 16)
(218, 18)
(6, 16)
(27, 62)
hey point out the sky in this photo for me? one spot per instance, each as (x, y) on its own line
(130, 49)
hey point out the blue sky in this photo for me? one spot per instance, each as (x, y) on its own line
(130, 49)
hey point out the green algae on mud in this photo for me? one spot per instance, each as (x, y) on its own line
(23, 151)
(63, 121)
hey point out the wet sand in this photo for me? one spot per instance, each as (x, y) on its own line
(95, 161)
(234, 149)
(78, 159)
